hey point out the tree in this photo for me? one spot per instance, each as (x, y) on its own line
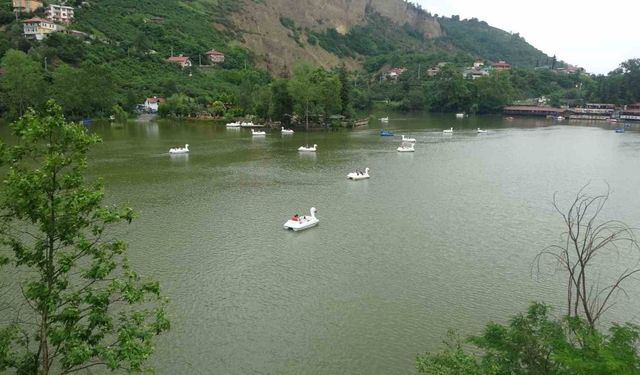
(535, 343)
(302, 90)
(448, 91)
(88, 307)
(493, 92)
(282, 103)
(22, 83)
(587, 244)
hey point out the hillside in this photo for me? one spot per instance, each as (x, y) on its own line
(279, 33)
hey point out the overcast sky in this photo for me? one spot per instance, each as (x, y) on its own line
(596, 35)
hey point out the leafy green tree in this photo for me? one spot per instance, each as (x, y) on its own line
(493, 92)
(302, 90)
(217, 108)
(535, 343)
(281, 107)
(88, 307)
(119, 114)
(448, 91)
(22, 83)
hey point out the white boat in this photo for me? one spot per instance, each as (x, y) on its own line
(447, 131)
(405, 139)
(179, 150)
(307, 148)
(384, 119)
(406, 147)
(359, 175)
(233, 125)
(258, 133)
(298, 223)
(559, 118)
(460, 115)
(286, 131)
(480, 131)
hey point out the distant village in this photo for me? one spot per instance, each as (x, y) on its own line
(58, 17)
(538, 106)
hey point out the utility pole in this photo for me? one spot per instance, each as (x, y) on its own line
(200, 59)
(419, 67)
(45, 65)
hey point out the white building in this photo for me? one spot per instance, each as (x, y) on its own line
(39, 28)
(151, 104)
(59, 13)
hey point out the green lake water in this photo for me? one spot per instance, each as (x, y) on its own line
(441, 238)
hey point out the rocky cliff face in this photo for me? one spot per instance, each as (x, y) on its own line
(275, 46)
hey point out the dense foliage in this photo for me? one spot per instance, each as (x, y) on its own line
(82, 305)
(535, 343)
(481, 40)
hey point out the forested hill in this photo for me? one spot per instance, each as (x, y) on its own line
(279, 33)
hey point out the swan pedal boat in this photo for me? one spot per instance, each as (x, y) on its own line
(257, 133)
(286, 131)
(303, 222)
(233, 125)
(481, 131)
(179, 150)
(308, 149)
(405, 139)
(359, 176)
(406, 148)
(384, 119)
(620, 130)
(447, 131)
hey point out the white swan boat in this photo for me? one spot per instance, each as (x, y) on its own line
(384, 119)
(285, 131)
(405, 139)
(447, 131)
(298, 223)
(307, 148)
(481, 131)
(406, 147)
(179, 150)
(461, 115)
(233, 125)
(359, 175)
(258, 133)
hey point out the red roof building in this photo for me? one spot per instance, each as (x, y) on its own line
(184, 61)
(501, 65)
(216, 57)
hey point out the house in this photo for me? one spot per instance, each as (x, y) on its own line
(569, 69)
(59, 13)
(631, 112)
(39, 28)
(215, 57)
(26, 6)
(431, 72)
(151, 104)
(184, 61)
(473, 73)
(501, 65)
(478, 64)
(394, 73)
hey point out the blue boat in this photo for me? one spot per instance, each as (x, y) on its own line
(385, 133)
(620, 130)
(86, 121)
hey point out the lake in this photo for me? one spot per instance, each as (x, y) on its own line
(441, 238)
